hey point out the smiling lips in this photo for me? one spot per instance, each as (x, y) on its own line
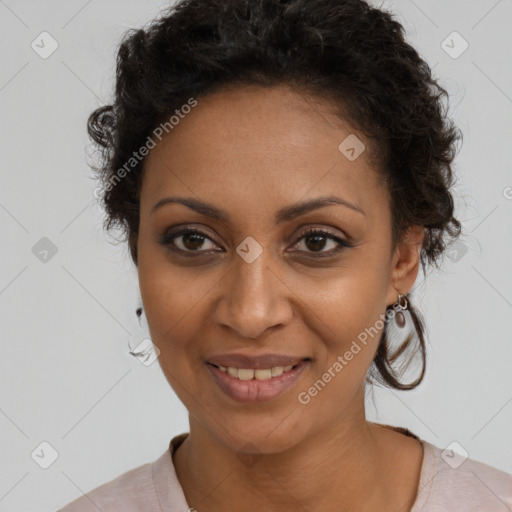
(258, 374)
(262, 367)
(255, 378)
(263, 361)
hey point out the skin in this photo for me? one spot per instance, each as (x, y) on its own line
(251, 151)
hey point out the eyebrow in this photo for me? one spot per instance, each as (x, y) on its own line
(283, 215)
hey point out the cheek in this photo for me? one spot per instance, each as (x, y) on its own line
(344, 307)
(174, 311)
(348, 340)
(169, 293)
(350, 346)
(346, 321)
(175, 303)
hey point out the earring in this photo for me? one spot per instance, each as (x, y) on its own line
(138, 312)
(141, 317)
(401, 303)
(400, 323)
(402, 346)
(145, 350)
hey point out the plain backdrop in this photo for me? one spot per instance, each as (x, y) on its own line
(68, 294)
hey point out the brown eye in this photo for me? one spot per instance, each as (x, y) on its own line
(192, 241)
(315, 241)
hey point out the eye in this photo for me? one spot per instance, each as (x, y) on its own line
(318, 238)
(191, 240)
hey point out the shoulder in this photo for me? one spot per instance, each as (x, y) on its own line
(132, 491)
(450, 481)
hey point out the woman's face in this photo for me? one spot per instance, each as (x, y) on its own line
(250, 281)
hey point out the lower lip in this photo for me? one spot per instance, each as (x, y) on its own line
(251, 391)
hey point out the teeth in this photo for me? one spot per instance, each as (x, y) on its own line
(245, 374)
(276, 371)
(262, 374)
(259, 374)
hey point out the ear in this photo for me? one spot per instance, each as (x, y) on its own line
(405, 263)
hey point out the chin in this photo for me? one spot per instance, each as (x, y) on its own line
(250, 436)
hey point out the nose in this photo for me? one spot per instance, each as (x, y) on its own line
(254, 298)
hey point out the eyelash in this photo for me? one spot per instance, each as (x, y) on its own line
(168, 239)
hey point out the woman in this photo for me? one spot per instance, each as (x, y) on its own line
(280, 170)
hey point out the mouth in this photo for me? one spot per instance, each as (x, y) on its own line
(255, 373)
(253, 385)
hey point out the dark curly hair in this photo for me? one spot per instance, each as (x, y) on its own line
(342, 50)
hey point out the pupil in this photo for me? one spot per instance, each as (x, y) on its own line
(189, 236)
(316, 245)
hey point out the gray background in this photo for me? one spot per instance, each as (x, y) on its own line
(66, 375)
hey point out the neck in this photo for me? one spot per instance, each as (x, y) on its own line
(342, 465)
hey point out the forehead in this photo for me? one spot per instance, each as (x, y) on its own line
(253, 145)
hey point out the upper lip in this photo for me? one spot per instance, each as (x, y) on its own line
(257, 362)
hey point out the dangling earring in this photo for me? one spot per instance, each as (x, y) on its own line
(145, 351)
(401, 303)
(401, 344)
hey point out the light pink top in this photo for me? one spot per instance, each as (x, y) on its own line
(153, 487)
